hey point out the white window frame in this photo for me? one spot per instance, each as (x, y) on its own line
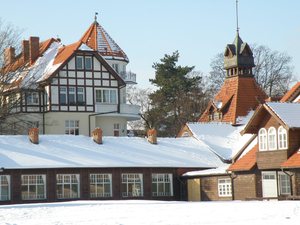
(72, 127)
(133, 181)
(100, 181)
(35, 181)
(32, 98)
(282, 138)
(106, 98)
(272, 138)
(67, 180)
(224, 187)
(263, 139)
(4, 184)
(284, 183)
(78, 59)
(162, 180)
(86, 58)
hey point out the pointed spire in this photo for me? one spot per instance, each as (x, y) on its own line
(95, 18)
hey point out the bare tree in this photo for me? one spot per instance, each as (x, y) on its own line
(273, 71)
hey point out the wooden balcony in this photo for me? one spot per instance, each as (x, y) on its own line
(271, 159)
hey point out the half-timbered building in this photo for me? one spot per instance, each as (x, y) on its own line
(70, 89)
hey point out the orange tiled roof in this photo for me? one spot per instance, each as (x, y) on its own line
(292, 93)
(293, 161)
(242, 94)
(65, 52)
(99, 40)
(247, 162)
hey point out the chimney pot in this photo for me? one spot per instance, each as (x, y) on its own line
(25, 46)
(34, 46)
(152, 136)
(9, 55)
(33, 134)
(97, 135)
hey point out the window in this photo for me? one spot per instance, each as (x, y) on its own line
(224, 187)
(284, 183)
(80, 96)
(106, 96)
(4, 187)
(262, 134)
(116, 67)
(72, 96)
(72, 127)
(67, 186)
(272, 141)
(33, 187)
(79, 62)
(282, 138)
(32, 98)
(88, 62)
(100, 185)
(63, 95)
(132, 185)
(162, 184)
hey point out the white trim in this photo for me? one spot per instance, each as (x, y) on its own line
(100, 179)
(224, 187)
(270, 140)
(263, 139)
(282, 138)
(2, 196)
(162, 179)
(35, 180)
(67, 179)
(135, 181)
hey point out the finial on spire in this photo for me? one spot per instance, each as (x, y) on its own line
(96, 14)
(237, 15)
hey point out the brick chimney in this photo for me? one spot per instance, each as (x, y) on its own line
(152, 136)
(25, 46)
(97, 135)
(33, 134)
(9, 55)
(34, 45)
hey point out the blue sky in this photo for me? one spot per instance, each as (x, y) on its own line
(146, 30)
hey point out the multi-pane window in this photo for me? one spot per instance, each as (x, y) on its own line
(88, 62)
(162, 184)
(80, 95)
(132, 185)
(63, 95)
(108, 96)
(262, 134)
(272, 141)
(33, 187)
(72, 127)
(282, 138)
(284, 183)
(224, 187)
(72, 96)
(67, 186)
(100, 185)
(79, 62)
(32, 98)
(4, 187)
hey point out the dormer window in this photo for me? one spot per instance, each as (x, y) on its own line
(282, 138)
(262, 139)
(272, 138)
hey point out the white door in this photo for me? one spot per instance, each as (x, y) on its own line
(269, 184)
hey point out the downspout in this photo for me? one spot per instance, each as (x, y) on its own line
(232, 177)
(290, 176)
(96, 114)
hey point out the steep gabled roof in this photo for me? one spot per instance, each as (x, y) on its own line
(292, 94)
(238, 96)
(99, 40)
(246, 162)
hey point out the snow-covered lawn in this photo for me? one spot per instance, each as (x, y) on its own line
(152, 212)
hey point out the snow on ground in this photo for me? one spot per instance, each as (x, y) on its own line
(137, 212)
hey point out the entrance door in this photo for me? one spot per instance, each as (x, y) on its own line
(269, 184)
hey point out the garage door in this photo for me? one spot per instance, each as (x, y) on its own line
(269, 184)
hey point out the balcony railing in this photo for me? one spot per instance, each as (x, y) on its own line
(128, 77)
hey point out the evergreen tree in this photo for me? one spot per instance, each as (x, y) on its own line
(178, 98)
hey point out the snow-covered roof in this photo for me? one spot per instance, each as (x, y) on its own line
(222, 138)
(287, 112)
(67, 151)
(221, 170)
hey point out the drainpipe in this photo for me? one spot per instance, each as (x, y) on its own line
(290, 176)
(96, 114)
(232, 177)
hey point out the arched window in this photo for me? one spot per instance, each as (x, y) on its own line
(282, 138)
(262, 134)
(272, 140)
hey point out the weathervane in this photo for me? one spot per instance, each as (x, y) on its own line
(237, 16)
(96, 13)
